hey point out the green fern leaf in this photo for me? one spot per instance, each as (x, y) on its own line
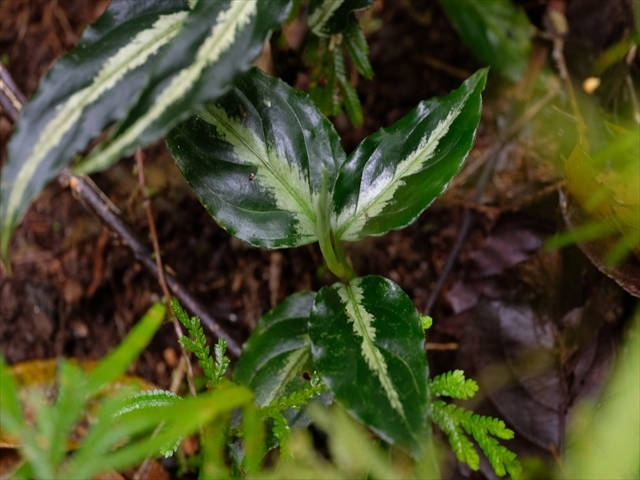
(295, 399)
(197, 345)
(453, 384)
(356, 45)
(281, 431)
(455, 421)
(349, 95)
(462, 447)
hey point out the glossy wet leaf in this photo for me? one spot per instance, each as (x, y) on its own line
(150, 62)
(328, 17)
(219, 40)
(394, 174)
(370, 353)
(278, 349)
(85, 91)
(496, 31)
(256, 160)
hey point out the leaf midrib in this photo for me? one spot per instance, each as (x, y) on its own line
(290, 189)
(83, 102)
(361, 210)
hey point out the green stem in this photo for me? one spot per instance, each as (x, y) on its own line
(350, 274)
(328, 246)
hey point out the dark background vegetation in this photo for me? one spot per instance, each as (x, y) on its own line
(76, 289)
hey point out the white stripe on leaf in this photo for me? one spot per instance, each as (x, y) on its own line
(145, 44)
(281, 180)
(378, 192)
(362, 323)
(321, 15)
(281, 381)
(223, 34)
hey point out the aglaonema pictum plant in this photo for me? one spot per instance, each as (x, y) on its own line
(139, 70)
(269, 167)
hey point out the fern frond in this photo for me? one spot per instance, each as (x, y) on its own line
(453, 384)
(296, 399)
(281, 431)
(501, 458)
(356, 44)
(222, 361)
(197, 345)
(453, 419)
(153, 399)
(460, 444)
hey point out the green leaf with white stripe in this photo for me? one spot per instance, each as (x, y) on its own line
(277, 351)
(394, 174)
(151, 63)
(84, 92)
(256, 160)
(218, 42)
(367, 343)
(329, 17)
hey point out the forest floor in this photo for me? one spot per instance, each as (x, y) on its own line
(76, 289)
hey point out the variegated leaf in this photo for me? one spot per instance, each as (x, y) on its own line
(256, 160)
(277, 350)
(328, 17)
(220, 40)
(368, 345)
(397, 172)
(85, 91)
(100, 82)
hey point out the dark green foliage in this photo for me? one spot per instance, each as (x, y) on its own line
(496, 31)
(143, 66)
(270, 168)
(356, 44)
(330, 87)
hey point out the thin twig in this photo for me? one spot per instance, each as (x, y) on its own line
(161, 274)
(11, 98)
(92, 197)
(11, 101)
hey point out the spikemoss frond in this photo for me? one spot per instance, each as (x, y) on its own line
(197, 344)
(296, 399)
(453, 384)
(458, 422)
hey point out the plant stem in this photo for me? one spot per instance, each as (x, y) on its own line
(328, 246)
(350, 274)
